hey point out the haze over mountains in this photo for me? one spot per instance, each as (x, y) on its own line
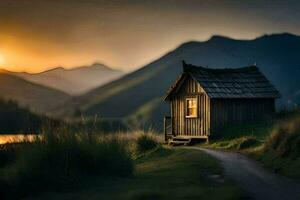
(138, 96)
(37, 98)
(73, 81)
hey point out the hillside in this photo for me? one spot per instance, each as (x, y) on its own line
(36, 97)
(276, 56)
(14, 119)
(73, 81)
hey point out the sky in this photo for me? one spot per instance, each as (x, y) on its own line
(36, 35)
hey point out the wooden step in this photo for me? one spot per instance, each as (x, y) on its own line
(179, 141)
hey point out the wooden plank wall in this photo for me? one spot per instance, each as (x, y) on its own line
(236, 111)
(199, 126)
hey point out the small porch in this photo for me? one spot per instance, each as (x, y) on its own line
(171, 138)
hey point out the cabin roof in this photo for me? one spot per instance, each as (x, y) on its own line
(245, 82)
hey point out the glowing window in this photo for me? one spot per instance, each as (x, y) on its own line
(191, 107)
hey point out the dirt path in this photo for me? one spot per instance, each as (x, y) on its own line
(253, 178)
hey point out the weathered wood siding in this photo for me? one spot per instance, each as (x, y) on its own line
(199, 126)
(235, 111)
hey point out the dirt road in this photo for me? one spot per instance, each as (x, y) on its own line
(253, 178)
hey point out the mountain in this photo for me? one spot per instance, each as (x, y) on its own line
(73, 81)
(137, 96)
(38, 98)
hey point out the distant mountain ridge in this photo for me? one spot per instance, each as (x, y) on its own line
(137, 96)
(74, 81)
(37, 98)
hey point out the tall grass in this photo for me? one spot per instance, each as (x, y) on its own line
(61, 159)
(285, 139)
(146, 142)
(281, 151)
(238, 144)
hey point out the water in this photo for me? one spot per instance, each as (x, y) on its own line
(13, 138)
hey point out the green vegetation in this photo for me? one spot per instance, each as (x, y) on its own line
(61, 160)
(97, 125)
(237, 143)
(244, 136)
(14, 119)
(281, 151)
(275, 143)
(62, 165)
(285, 139)
(163, 174)
(145, 143)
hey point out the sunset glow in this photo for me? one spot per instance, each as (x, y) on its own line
(2, 60)
(126, 34)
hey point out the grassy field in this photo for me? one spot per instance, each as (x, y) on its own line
(60, 160)
(136, 165)
(162, 174)
(127, 166)
(275, 143)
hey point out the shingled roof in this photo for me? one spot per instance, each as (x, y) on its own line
(245, 82)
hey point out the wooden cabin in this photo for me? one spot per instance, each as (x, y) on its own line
(203, 100)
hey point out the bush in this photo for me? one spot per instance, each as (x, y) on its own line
(238, 143)
(248, 142)
(62, 159)
(146, 142)
(285, 139)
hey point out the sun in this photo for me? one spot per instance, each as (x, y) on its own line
(2, 59)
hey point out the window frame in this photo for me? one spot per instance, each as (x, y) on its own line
(187, 108)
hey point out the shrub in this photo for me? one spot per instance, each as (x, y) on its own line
(285, 139)
(62, 159)
(247, 142)
(238, 143)
(146, 142)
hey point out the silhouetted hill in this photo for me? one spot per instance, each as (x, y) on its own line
(138, 95)
(14, 119)
(74, 81)
(36, 97)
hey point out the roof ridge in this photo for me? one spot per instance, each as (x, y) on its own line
(191, 68)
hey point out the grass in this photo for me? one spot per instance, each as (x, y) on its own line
(274, 143)
(286, 166)
(163, 174)
(61, 165)
(242, 137)
(62, 160)
(237, 144)
(285, 139)
(281, 151)
(146, 142)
